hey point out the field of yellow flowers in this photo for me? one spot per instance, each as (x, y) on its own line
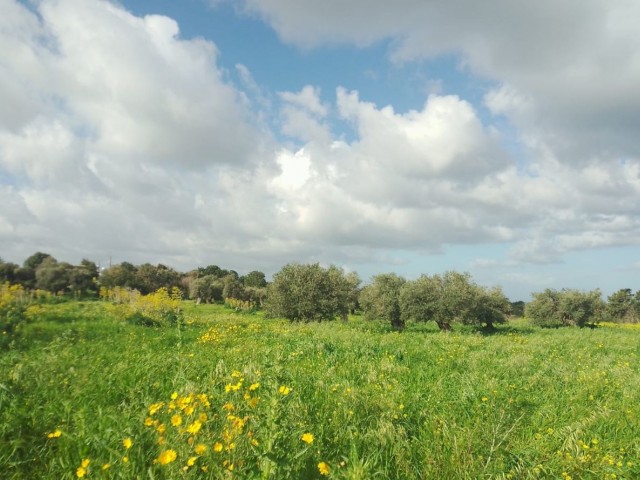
(88, 391)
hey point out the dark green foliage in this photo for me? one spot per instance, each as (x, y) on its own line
(452, 297)
(8, 272)
(553, 308)
(490, 307)
(254, 279)
(623, 306)
(208, 289)
(122, 275)
(233, 287)
(53, 276)
(150, 278)
(381, 299)
(145, 278)
(26, 276)
(35, 260)
(213, 270)
(517, 308)
(308, 293)
(83, 279)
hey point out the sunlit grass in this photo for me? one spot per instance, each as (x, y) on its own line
(342, 400)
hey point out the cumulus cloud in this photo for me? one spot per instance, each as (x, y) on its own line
(116, 125)
(123, 137)
(566, 75)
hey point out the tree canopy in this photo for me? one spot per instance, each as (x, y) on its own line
(308, 293)
(566, 307)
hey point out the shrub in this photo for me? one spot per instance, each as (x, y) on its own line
(308, 293)
(564, 308)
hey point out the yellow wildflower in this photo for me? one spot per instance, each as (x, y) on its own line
(217, 447)
(254, 386)
(126, 443)
(176, 420)
(307, 438)
(191, 462)
(200, 448)
(167, 456)
(194, 427)
(125, 459)
(284, 390)
(55, 434)
(323, 468)
(204, 399)
(81, 471)
(106, 466)
(154, 408)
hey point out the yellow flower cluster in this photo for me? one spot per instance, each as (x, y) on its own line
(218, 334)
(162, 306)
(196, 429)
(240, 305)
(194, 432)
(10, 294)
(81, 471)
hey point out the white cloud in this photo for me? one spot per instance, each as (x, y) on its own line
(116, 126)
(122, 137)
(302, 115)
(568, 74)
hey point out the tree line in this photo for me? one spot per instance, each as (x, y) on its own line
(310, 292)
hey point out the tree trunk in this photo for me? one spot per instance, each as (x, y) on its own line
(397, 323)
(444, 326)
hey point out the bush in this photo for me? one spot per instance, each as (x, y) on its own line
(381, 299)
(450, 298)
(161, 308)
(564, 308)
(13, 305)
(308, 293)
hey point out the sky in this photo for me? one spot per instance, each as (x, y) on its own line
(500, 138)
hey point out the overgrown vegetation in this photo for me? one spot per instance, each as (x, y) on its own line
(313, 293)
(553, 308)
(86, 394)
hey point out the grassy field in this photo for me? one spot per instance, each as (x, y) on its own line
(84, 394)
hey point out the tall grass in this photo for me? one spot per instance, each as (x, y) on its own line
(261, 398)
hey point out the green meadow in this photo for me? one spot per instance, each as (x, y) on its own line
(86, 394)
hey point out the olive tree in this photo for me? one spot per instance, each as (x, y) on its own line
(491, 306)
(53, 276)
(623, 306)
(307, 293)
(452, 297)
(254, 279)
(567, 307)
(206, 289)
(380, 300)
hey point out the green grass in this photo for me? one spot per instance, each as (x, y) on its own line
(519, 403)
